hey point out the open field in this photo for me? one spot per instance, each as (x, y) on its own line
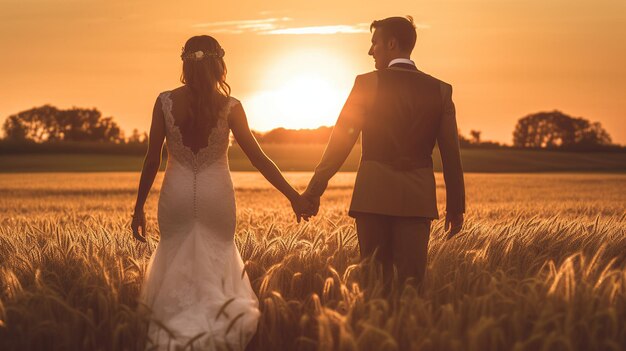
(540, 265)
(298, 157)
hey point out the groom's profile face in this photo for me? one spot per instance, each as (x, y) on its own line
(380, 50)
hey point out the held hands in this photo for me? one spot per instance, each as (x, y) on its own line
(305, 206)
(314, 201)
(454, 223)
(139, 221)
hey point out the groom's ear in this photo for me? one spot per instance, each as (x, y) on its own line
(392, 43)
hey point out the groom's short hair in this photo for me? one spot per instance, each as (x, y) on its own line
(401, 28)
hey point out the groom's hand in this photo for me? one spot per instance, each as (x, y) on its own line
(454, 223)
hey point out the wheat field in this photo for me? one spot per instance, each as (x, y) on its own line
(540, 265)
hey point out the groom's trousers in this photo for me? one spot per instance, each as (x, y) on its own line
(401, 241)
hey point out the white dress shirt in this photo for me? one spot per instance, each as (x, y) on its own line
(401, 60)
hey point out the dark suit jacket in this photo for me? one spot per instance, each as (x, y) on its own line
(401, 113)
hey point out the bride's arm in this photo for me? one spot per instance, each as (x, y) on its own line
(151, 165)
(239, 125)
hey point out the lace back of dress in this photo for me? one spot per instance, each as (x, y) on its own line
(218, 139)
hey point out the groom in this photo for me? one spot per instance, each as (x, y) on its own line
(401, 113)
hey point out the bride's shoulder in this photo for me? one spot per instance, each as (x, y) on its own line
(169, 93)
(178, 91)
(233, 100)
(233, 108)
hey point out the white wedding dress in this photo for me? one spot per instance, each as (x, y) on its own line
(196, 282)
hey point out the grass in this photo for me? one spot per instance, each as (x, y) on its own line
(305, 158)
(540, 265)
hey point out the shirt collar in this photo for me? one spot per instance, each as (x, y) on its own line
(401, 60)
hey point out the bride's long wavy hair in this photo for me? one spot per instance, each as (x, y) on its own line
(206, 79)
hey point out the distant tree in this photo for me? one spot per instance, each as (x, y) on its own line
(593, 135)
(36, 124)
(558, 130)
(475, 136)
(475, 142)
(47, 123)
(137, 138)
(300, 136)
(88, 125)
(464, 142)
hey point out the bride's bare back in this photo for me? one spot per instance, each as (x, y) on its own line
(196, 137)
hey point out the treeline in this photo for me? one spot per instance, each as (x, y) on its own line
(295, 136)
(50, 124)
(49, 128)
(557, 131)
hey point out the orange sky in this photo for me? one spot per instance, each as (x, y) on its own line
(505, 59)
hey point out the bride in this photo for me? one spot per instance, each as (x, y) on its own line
(196, 287)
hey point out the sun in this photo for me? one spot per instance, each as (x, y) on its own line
(303, 91)
(309, 101)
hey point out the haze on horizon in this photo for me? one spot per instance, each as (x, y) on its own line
(293, 64)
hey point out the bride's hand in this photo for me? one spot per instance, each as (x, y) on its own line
(139, 221)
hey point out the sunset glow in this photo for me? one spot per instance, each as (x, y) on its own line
(293, 63)
(302, 89)
(304, 101)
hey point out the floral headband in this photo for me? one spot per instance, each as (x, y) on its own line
(200, 55)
